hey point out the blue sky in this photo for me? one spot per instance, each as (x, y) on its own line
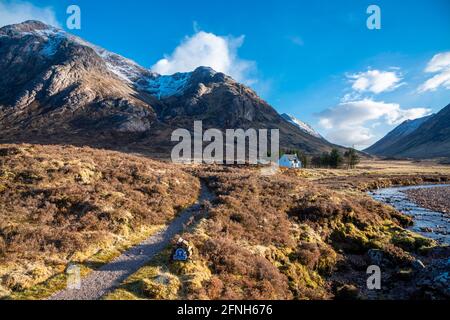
(316, 60)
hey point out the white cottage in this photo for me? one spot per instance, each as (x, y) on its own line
(290, 161)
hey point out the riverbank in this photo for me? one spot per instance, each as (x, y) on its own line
(426, 204)
(435, 199)
(427, 222)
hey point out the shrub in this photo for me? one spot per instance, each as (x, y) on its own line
(62, 200)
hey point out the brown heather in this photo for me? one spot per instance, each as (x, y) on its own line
(287, 236)
(58, 201)
(284, 237)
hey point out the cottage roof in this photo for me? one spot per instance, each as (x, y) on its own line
(291, 157)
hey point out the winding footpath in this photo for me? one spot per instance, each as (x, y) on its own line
(107, 278)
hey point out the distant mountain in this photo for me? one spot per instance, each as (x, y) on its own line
(301, 125)
(58, 88)
(403, 130)
(423, 138)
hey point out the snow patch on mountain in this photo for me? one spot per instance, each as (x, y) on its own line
(124, 68)
(50, 35)
(409, 126)
(53, 42)
(166, 86)
(160, 86)
(301, 125)
(143, 79)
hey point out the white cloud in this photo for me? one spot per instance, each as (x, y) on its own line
(12, 12)
(375, 81)
(351, 123)
(359, 137)
(440, 64)
(209, 50)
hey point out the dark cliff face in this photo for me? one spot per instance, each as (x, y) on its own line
(430, 139)
(58, 88)
(53, 84)
(218, 100)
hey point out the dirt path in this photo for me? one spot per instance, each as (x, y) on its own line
(110, 276)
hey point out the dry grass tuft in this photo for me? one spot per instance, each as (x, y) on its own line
(60, 203)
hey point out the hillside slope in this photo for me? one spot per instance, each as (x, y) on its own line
(431, 139)
(403, 130)
(301, 125)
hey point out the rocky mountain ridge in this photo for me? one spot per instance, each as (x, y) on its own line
(58, 88)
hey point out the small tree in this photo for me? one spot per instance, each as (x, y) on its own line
(352, 158)
(304, 159)
(316, 161)
(335, 159)
(325, 160)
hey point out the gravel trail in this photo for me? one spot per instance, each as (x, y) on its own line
(110, 276)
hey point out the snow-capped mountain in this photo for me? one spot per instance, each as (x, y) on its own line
(126, 69)
(56, 87)
(301, 125)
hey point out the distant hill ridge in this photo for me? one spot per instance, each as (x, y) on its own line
(423, 138)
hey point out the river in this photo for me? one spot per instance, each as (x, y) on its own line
(430, 224)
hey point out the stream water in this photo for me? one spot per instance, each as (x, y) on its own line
(431, 224)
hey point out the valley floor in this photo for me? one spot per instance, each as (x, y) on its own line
(299, 234)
